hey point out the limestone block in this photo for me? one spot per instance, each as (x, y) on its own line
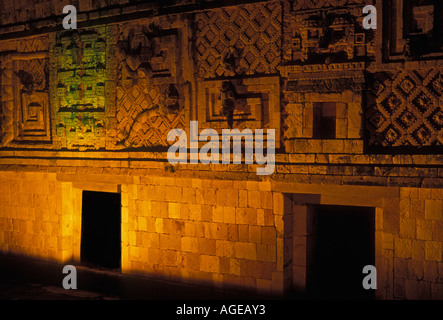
(228, 249)
(206, 213)
(233, 232)
(234, 266)
(159, 209)
(169, 241)
(189, 195)
(246, 216)
(433, 251)
(153, 239)
(243, 233)
(153, 255)
(268, 235)
(243, 198)
(402, 248)
(266, 200)
(168, 257)
(255, 234)
(150, 224)
(254, 200)
(142, 223)
(144, 253)
(434, 209)
(221, 197)
(407, 228)
(206, 246)
(354, 120)
(221, 231)
(174, 210)
(341, 128)
(262, 252)
(245, 250)
(417, 209)
(195, 212)
(199, 229)
(219, 246)
(246, 268)
(261, 217)
(189, 244)
(174, 226)
(277, 283)
(415, 269)
(272, 253)
(391, 216)
(209, 263)
(159, 225)
(210, 229)
(437, 230)
(192, 261)
(430, 271)
(208, 195)
(217, 213)
(189, 229)
(424, 229)
(229, 215)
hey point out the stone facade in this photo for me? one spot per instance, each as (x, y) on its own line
(90, 109)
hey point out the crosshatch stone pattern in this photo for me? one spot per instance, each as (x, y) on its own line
(90, 109)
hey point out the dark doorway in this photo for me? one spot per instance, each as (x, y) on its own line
(324, 125)
(101, 219)
(344, 242)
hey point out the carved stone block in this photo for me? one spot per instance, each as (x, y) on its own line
(78, 88)
(256, 104)
(240, 40)
(151, 93)
(25, 115)
(333, 35)
(404, 109)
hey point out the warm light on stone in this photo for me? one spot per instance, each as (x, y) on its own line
(355, 115)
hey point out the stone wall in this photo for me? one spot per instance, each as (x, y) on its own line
(31, 217)
(416, 244)
(90, 110)
(205, 231)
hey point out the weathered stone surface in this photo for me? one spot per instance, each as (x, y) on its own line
(117, 90)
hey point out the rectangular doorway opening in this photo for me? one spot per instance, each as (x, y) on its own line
(101, 229)
(342, 243)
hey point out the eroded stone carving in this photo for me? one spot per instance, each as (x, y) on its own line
(25, 117)
(79, 88)
(252, 103)
(405, 110)
(240, 40)
(150, 89)
(327, 36)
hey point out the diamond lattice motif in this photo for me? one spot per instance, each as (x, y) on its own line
(247, 28)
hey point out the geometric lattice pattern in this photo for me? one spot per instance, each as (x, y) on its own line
(37, 69)
(33, 44)
(153, 131)
(315, 4)
(238, 41)
(404, 109)
(31, 100)
(136, 125)
(149, 85)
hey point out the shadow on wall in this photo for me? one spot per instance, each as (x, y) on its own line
(15, 270)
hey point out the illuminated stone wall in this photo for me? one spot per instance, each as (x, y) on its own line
(90, 109)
